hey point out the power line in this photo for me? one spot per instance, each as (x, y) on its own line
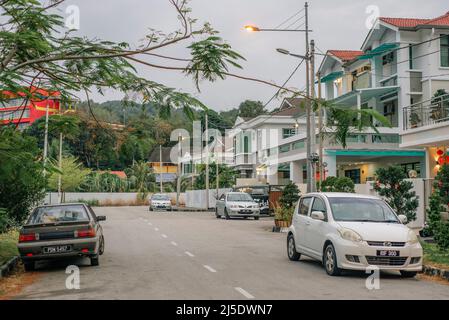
(295, 22)
(288, 19)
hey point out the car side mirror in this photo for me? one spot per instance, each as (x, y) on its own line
(403, 219)
(101, 218)
(317, 215)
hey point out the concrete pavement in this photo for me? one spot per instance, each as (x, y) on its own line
(179, 255)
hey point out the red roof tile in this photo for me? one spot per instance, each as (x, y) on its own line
(404, 22)
(345, 55)
(413, 23)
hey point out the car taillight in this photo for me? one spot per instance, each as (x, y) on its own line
(27, 237)
(89, 233)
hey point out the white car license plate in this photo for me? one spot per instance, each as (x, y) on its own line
(387, 253)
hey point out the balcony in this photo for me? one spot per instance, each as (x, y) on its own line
(426, 123)
(362, 81)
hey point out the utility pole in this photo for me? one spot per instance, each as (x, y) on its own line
(320, 130)
(217, 175)
(46, 139)
(308, 102)
(60, 168)
(312, 116)
(178, 182)
(207, 160)
(160, 166)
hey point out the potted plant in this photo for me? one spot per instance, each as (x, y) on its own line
(414, 119)
(283, 211)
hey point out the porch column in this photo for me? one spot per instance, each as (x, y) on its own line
(296, 172)
(331, 168)
(272, 174)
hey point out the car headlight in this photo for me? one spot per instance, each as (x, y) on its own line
(233, 206)
(350, 235)
(411, 237)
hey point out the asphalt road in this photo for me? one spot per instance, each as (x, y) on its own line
(164, 255)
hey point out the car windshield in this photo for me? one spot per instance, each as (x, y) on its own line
(239, 197)
(359, 209)
(59, 214)
(159, 197)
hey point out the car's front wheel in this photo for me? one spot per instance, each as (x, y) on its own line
(226, 214)
(408, 274)
(29, 266)
(151, 209)
(256, 218)
(216, 214)
(330, 261)
(291, 248)
(101, 249)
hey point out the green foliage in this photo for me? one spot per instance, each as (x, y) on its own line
(338, 184)
(21, 179)
(290, 195)
(226, 179)
(5, 221)
(8, 245)
(392, 186)
(251, 109)
(283, 213)
(442, 183)
(434, 255)
(343, 121)
(73, 174)
(142, 177)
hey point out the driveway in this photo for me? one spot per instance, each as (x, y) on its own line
(180, 255)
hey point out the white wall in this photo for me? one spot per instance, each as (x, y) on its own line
(197, 198)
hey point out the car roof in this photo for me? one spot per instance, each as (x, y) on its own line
(61, 204)
(342, 195)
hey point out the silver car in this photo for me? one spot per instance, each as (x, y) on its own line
(160, 201)
(237, 204)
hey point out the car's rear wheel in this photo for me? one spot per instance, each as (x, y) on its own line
(95, 260)
(101, 249)
(293, 255)
(29, 266)
(330, 261)
(408, 274)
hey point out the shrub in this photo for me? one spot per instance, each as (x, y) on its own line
(338, 184)
(283, 213)
(392, 186)
(290, 195)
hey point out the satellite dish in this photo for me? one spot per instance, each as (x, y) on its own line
(412, 174)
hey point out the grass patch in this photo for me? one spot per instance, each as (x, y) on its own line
(434, 256)
(8, 248)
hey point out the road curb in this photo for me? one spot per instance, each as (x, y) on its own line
(8, 267)
(436, 272)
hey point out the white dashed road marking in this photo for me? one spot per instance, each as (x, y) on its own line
(244, 292)
(156, 229)
(150, 224)
(174, 243)
(209, 268)
(189, 254)
(164, 236)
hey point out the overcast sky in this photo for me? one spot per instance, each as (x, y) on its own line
(335, 24)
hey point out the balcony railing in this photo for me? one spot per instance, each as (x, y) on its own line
(426, 113)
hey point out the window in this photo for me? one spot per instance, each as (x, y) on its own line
(407, 167)
(388, 58)
(285, 148)
(304, 206)
(410, 57)
(353, 174)
(58, 214)
(288, 132)
(245, 144)
(318, 205)
(298, 145)
(444, 51)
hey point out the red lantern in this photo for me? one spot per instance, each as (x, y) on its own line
(440, 152)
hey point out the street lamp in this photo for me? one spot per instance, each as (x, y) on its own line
(286, 52)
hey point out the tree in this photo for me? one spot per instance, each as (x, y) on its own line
(72, 174)
(226, 179)
(391, 184)
(337, 184)
(37, 50)
(290, 195)
(21, 180)
(251, 109)
(142, 177)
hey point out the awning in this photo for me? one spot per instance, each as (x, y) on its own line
(332, 76)
(382, 49)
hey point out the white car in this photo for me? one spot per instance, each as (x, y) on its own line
(237, 204)
(160, 201)
(350, 231)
